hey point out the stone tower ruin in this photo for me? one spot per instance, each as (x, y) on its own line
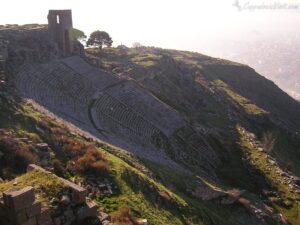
(59, 25)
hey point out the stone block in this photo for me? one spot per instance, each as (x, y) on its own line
(69, 215)
(31, 167)
(1, 201)
(65, 200)
(207, 193)
(19, 199)
(142, 222)
(42, 146)
(19, 217)
(31, 221)
(34, 209)
(78, 194)
(56, 221)
(103, 216)
(88, 210)
(45, 217)
(106, 222)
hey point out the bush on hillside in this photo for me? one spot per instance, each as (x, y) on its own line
(16, 154)
(75, 148)
(86, 158)
(23, 157)
(59, 168)
(93, 162)
(124, 216)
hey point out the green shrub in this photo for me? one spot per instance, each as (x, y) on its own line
(59, 169)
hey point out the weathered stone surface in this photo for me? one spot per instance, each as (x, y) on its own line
(58, 30)
(106, 222)
(207, 193)
(56, 221)
(31, 221)
(19, 217)
(31, 167)
(21, 199)
(89, 210)
(103, 216)
(44, 218)
(42, 146)
(69, 215)
(297, 182)
(1, 201)
(78, 194)
(3, 50)
(44, 163)
(65, 200)
(232, 197)
(142, 222)
(283, 219)
(34, 209)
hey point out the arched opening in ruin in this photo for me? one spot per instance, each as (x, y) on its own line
(57, 19)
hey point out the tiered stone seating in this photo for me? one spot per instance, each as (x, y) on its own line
(98, 100)
(94, 75)
(58, 88)
(193, 139)
(80, 89)
(147, 105)
(110, 112)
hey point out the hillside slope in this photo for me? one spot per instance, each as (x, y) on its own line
(184, 138)
(150, 190)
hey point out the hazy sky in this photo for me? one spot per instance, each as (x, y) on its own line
(197, 25)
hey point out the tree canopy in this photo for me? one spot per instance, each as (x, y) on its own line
(99, 38)
(136, 45)
(77, 34)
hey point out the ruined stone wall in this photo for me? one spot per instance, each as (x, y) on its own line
(26, 44)
(20, 206)
(3, 50)
(59, 25)
(22, 31)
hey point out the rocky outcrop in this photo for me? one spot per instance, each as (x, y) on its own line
(20, 206)
(31, 43)
(28, 43)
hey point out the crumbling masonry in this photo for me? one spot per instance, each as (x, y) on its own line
(20, 206)
(59, 26)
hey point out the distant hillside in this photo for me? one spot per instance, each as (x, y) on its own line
(275, 57)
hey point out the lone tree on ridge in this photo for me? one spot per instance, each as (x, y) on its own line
(99, 38)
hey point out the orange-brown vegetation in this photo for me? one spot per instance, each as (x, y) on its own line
(16, 154)
(86, 157)
(123, 216)
(92, 162)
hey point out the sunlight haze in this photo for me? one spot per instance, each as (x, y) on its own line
(190, 25)
(221, 28)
